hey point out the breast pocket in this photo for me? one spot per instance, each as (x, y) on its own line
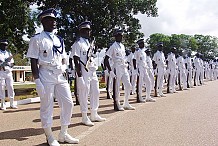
(45, 49)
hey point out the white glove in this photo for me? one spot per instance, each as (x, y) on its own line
(40, 88)
(63, 68)
(81, 83)
(135, 72)
(112, 75)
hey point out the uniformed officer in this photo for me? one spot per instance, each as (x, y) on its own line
(6, 78)
(133, 72)
(207, 69)
(172, 66)
(48, 59)
(119, 70)
(142, 67)
(189, 69)
(159, 59)
(108, 79)
(197, 70)
(182, 71)
(212, 69)
(201, 69)
(150, 67)
(82, 53)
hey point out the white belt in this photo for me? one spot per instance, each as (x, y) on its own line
(53, 69)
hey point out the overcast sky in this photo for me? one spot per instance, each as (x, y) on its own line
(182, 17)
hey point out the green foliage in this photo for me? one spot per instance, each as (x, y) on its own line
(100, 68)
(15, 22)
(104, 15)
(20, 60)
(206, 45)
(102, 85)
(34, 92)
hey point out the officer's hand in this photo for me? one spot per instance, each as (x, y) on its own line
(40, 88)
(112, 74)
(63, 68)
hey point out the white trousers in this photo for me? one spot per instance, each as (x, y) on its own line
(183, 78)
(133, 82)
(91, 88)
(160, 78)
(189, 74)
(122, 75)
(172, 82)
(151, 76)
(55, 85)
(6, 80)
(144, 79)
(197, 77)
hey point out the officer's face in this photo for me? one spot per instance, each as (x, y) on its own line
(49, 24)
(3, 47)
(85, 32)
(133, 49)
(141, 45)
(148, 53)
(118, 38)
(160, 48)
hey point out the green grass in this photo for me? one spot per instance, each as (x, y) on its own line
(25, 86)
(25, 91)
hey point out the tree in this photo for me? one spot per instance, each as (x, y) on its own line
(104, 15)
(16, 21)
(156, 38)
(206, 45)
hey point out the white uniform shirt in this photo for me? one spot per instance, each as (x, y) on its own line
(41, 48)
(189, 62)
(197, 63)
(117, 53)
(80, 49)
(3, 56)
(181, 63)
(141, 57)
(130, 60)
(159, 59)
(149, 62)
(171, 60)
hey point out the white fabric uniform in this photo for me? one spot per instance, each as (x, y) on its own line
(110, 87)
(6, 77)
(202, 71)
(160, 70)
(50, 74)
(216, 70)
(189, 70)
(133, 74)
(150, 71)
(207, 70)
(117, 53)
(172, 68)
(141, 60)
(79, 49)
(182, 71)
(197, 70)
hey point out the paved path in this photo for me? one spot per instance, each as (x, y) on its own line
(186, 118)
